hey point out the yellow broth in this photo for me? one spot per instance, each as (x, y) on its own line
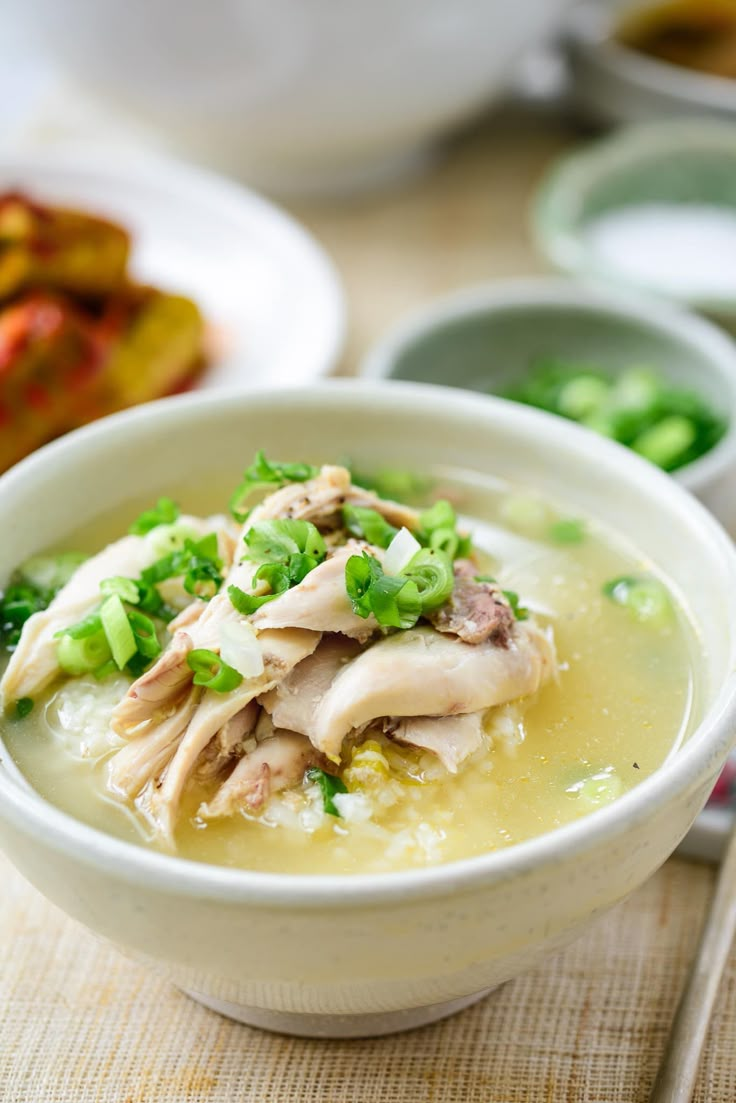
(625, 698)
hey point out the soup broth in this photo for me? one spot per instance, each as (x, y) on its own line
(624, 697)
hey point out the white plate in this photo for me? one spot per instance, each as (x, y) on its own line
(269, 293)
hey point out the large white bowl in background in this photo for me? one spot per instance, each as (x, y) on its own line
(297, 93)
(330, 955)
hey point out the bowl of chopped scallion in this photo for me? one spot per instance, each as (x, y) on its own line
(652, 377)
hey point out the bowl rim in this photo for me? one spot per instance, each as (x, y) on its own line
(29, 813)
(556, 205)
(590, 33)
(546, 292)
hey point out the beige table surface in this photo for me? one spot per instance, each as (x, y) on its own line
(79, 1023)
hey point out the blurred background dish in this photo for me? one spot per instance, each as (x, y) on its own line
(294, 94)
(636, 62)
(194, 281)
(493, 338)
(650, 209)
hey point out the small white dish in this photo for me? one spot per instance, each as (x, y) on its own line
(485, 338)
(270, 295)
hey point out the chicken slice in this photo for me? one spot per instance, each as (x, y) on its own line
(321, 499)
(423, 673)
(144, 759)
(320, 602)
(228, 743)
(33, 664)
(278, 762)
(281, 652)
(452, 738)
(295, 702)
(476, 610)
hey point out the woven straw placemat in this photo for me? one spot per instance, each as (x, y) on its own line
(81, 1024)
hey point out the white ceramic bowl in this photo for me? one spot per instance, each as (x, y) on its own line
(485, 338)
(329, 955)
(296, 93)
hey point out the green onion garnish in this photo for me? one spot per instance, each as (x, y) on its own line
(120, 635)
(520, 611)
(431, 571)
(392, 599)
(667, 424)
(368, 524)
(32, 589)
(198, 563)
(165, 512)
(329, 786)
(211, 672)
(439, 530)
(264, 475)
(567, 531)
(646, 599)
(83, 647)
(277, 541)
(144, 633)
(23, 706)
(125, 588)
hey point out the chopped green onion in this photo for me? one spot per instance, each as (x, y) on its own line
(568, 531)
(104, 671)
(431, 571)
(646, 599)
(144, 633)
(120, 635)
(83, 648)
(165, 512)
(165, 539)
(211, 672)
(83, 629)
(329, 786)
(368, 524)
(445, 540)
(276, 541)
(392, 599)
(395, 601)
(439, 516)
(125, 588)
(667, 442)
(23, 706)
(197, 562)
(520, 611)
(439, 530)
(263, 475)
(667, 424)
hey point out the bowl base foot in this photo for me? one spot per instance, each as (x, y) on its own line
(306, 1025)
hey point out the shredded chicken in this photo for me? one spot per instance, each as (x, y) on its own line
(420, 672)
(320, 602)
(278, 761)
(452, 738)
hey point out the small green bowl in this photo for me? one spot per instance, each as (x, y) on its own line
(674, 162)
(486, 339)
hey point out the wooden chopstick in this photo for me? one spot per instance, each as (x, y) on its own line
(679, 1069)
